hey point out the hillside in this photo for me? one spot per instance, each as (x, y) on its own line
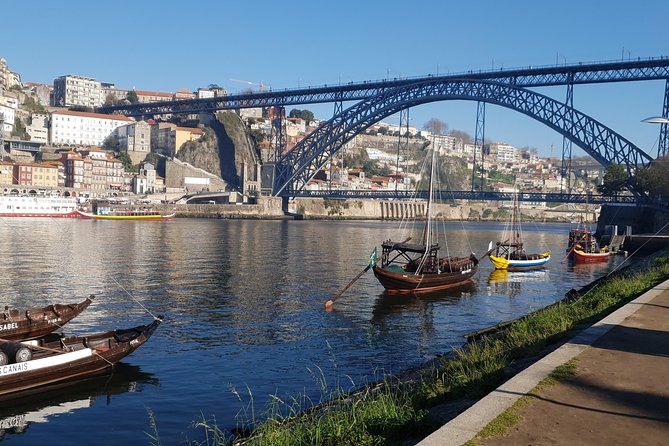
(222, 150)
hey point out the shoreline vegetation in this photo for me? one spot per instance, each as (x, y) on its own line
(404, 409)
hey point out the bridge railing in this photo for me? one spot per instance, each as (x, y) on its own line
(447, 195)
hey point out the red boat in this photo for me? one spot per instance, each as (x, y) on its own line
(583, 247)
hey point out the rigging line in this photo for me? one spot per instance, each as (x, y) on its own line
(133, 298)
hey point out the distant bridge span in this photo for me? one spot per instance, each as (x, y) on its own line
(296, 167)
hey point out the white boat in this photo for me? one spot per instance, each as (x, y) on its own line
(38, 206)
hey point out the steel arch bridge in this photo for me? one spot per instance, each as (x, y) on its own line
(296, 167)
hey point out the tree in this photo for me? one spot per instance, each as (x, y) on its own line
(111, 142)
(464, 136)
(20, 129)
(615, 179)
(127, 162)
(132, 97)
(654, 179)
(80, 108)
(436, 126)
(305, 114)
(110, 99)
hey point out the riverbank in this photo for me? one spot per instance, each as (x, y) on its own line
(409, 407)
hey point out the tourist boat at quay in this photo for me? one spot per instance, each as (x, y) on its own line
(18, 325)
(57, 359)
(38, 206)
(417, 267)
(125, 214)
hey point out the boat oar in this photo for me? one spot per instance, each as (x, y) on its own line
(329, 303)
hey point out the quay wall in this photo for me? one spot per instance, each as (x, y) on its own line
(267, 208)
(643, 220)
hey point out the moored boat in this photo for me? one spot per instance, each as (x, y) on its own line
(510, 254)
(126, 214)
(417, 268)
(16, 325)
(583, 247)
(59, 359)
(51, 206)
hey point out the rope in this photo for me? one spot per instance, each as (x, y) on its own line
(133, 298)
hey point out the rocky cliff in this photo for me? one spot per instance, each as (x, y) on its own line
(222, 149)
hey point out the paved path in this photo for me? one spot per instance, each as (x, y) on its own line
(618, 396)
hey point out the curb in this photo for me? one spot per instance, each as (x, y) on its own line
(465, 426)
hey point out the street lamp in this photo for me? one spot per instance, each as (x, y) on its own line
(663, 121)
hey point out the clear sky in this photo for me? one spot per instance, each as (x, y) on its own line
(169, 45)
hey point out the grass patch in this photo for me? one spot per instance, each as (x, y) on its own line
(393, 412)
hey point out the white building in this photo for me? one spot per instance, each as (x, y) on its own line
(505, 153)
(70, 127)
(77, 90)
(39, 128)
(8, 115)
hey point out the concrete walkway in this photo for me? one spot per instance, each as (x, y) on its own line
(618, 396)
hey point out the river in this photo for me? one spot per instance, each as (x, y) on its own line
(244, 319)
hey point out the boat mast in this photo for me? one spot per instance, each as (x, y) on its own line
(427, 234)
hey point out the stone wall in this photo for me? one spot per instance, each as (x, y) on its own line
(266, 208)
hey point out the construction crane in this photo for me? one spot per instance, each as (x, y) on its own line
(261, 85)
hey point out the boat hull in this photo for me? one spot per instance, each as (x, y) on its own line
(16, 325)
(405, 283)
(590, 257)
(89, 216)
(85, 356)
(519, 265)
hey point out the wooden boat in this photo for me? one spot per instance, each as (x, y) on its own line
(418, 268)
(583, 247)
(60, 359)
(16, 325)
(126, 214)
(510, 253)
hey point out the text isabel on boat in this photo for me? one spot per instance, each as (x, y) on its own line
(418, 267)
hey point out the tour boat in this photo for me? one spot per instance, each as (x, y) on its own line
(17, 325)
(583, 247)
(38, 206)
(510, 253)
(126, 214)
(417, 268)
(57, 359)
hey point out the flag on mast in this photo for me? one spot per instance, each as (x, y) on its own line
(372, 258)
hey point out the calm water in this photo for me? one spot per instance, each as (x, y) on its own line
(244, 315)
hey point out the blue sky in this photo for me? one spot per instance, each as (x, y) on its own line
(167, 45)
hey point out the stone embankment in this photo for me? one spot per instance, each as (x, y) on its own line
(364, 209)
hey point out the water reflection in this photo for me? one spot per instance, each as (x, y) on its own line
(49, 402)
(510, 283)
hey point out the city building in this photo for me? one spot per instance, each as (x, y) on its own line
(153, 96)
(35, 174)
(167, 138)
(82, 128)
(7, 115)
(41, 91)
(72, 90)
(39, 128)
(6, 173)
(135, 138)
(8, 78)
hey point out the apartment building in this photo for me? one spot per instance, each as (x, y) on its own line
(167, 138)
(35, 174)
(8, 78)
(72, 90)
(82, 128)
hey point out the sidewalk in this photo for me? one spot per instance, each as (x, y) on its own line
(618, 396)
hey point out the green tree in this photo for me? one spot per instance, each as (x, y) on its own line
(132, 97)
(305, 114)
(19, 130)
(127, 162)
(614, 181)
(80, 108)
(654, 179)
(111, 142)
(110, 99)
